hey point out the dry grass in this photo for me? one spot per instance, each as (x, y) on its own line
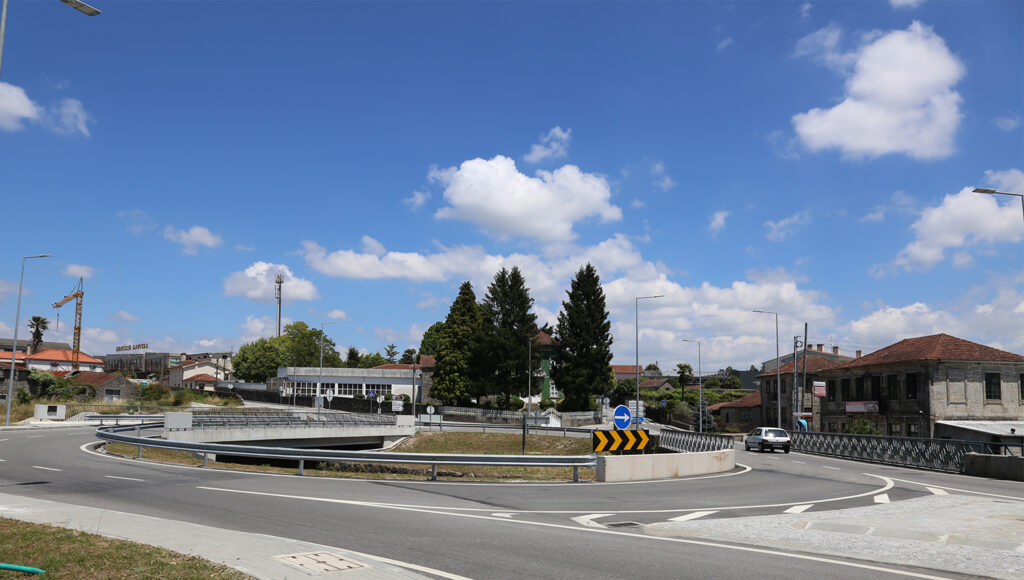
(72, 554)
(459, 443)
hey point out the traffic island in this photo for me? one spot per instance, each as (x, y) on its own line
(617, 468)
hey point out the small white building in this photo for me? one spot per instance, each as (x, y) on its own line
(345, 382)
(179, 375)
(54, 360)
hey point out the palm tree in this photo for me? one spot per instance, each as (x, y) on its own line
(38, 325)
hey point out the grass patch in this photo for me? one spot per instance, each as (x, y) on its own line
(67, 553)
(456, 443)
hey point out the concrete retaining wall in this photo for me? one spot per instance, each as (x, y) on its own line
(998, 466)
(613, 468)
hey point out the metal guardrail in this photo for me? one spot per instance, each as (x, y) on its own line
(564, 431)
(482, 415)
(302, 419)
(936, 454)
(117, 434)
(118, 418)
(688, 441)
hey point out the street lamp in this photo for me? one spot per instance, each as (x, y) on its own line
(17, 317)
(700, 386)
(321, 379)
(778, 370)
(994, 192)
(80, 6)
(636, 327)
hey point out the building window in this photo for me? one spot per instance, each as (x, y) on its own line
(859, 388)
(911, 385)
(893, 387)
(992, 387)
(876, 388)
(895, 429)
(846, 389)
(830, 390)
(746, 414)
(913, 430)
(349, 389)
(378, 389)
(832, 427)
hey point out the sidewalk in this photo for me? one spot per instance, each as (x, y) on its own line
(259, 555)
(962, 534)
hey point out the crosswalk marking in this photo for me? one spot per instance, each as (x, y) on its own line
(937, 491)
(588, 520)
(691, 516)
(798, 509)
(883, 498)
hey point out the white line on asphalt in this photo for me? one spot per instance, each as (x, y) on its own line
(35, 436)
(829, 467)
(1017, 498)
(125, 478)
(46, 468)
(2, 460)
(639, 537)
(691, 516)
(4, 439)
(798, 509)
(883, 498)
(503, 514)
(937, 491)
(588, 520)
(797, 461)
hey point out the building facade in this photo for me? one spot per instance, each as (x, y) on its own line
(53, 360)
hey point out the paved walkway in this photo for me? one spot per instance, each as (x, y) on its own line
(955, 533)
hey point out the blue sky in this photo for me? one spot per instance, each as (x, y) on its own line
(810, 158)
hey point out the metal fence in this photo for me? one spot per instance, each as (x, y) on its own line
(74, 409)
(122, 434)
(936, 454)
(474, 415)
(689, 441)
(213, 420)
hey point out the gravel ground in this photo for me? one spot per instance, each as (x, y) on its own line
(962, 534)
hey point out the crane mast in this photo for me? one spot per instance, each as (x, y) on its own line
(76, 294)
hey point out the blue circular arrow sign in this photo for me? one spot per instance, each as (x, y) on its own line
(623, 417)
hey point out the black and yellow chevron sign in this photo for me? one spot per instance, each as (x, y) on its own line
(622, 441)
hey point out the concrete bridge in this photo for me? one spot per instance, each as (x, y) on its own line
(302, 430)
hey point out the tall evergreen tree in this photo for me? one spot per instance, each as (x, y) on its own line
(352, 358)
(452, 378)
(429, 344)
(583, 340)
(509, 326)
(391, 353)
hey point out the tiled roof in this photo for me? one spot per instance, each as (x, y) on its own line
(394, 366)
(427, 361)
(622, 369)
(202, 377)
(89, 378)
(814, 364)
(543, 338)
(655, 383)
(751, 400)
(936, 347)
(63, 356)
(7, 356)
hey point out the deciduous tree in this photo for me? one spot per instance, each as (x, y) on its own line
(257, 361)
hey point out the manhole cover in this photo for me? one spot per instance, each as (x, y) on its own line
(624, 524)
(320, 562)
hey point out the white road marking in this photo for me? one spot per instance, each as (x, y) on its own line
(2, 460)
(4, 439)
(797, 509)
(829, 467)
(35, 436)
(125, 478)
(925, 485)
(47, 468)
(691, 516)
(937, 491)
(503, 514)
(883, 498)
(588, 520)
(634, 536)
(798, 461)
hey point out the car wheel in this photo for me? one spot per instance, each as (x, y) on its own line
(746, 446)
(760, 447)
(786, 449)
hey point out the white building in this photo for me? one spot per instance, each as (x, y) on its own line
(53, 360)
(179, 375)
(345, 382)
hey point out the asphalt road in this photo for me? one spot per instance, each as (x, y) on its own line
(476, 530)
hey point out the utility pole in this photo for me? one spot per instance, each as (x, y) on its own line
(278, 282)
(793, 398)
(804, 371)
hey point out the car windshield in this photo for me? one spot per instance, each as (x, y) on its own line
(776, 433)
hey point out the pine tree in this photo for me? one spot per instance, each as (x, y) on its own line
(582, 360)
(508, 327)
(455, 346)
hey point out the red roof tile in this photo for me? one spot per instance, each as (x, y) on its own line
(89, 378)
(202, 377)
(814, 364)
(622, 369)
(751, 400)
(427, 361)
(655, 383)
(63, 356)
(543, 338)
(6, 355)
(394, 367)
(936, 347)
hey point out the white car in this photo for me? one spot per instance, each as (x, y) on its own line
(770, 438)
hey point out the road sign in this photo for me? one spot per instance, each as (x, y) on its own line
(622, 417)
(397, 405)
(622, 441)
(663, 402)
(371, 394)
(380, 398)
(329, 397)
(606, 400)
(430, 409)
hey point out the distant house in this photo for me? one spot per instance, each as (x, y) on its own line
(770, 395)
(108, 386)
(179, 375)
(201, 382)
(25, 346)
(657, 385)
(54, 360)
(929, 386)
(626, 371)
(741, 414)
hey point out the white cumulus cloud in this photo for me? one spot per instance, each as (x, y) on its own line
(257, 282)
(906, 3)
(723, 44)
(336, 315)
(494, 195)
(417, 199)
(781, 229)
(899, 96)
(1007, 123)
(16, 107)
(192, 238)
(124, 316)
(717, 223)
(79, 271)
(889, 324)
(68, 116)
(552, 146)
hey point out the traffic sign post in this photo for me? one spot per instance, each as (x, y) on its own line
(623, 417)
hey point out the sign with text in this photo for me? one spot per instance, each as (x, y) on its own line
(819, 388)
(124, 347)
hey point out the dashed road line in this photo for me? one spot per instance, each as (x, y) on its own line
(829, 467)
(35, 436)
(4, 439)
(588, 520)
(797, 509)
(937, 491)
(124, 478)
(47, 468)
(798, 461)
(691, 516)
(883, 498)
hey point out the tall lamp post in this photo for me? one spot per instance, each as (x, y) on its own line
(321, 378)
(994, 192)
(80, 6)
(17, 320)
(700, 386)
(778, 371)
(636, 326)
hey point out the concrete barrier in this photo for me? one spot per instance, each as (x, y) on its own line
(612, 468)
(997, 466)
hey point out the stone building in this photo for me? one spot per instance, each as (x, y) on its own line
(742, 414)
(905, 388)
(817, 362)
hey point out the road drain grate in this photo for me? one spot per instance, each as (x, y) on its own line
(623, 524)
(320, 562)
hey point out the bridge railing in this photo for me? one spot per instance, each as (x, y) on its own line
(689, 441)
(123, 434)
(936, 454)
(215, 420)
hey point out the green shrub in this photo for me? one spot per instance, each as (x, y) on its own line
(546, 404)
(183, 398)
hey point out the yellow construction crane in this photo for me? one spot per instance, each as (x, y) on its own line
(76, 294)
